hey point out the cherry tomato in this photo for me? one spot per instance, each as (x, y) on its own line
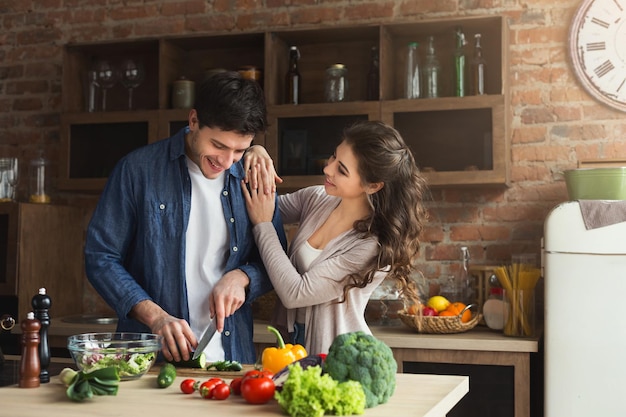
(188, 386)
(257, 388)
(206, 388)
(221, 391)
(235, 386)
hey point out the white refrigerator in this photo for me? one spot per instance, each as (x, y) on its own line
(585, 316)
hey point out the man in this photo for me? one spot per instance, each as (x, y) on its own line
(169, 245)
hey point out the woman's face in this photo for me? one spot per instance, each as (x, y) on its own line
(342, 174)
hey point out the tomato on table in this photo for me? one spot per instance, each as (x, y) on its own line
(257, 387)
(221, 391)
(188, 386)
(206, 388)
(235, 386)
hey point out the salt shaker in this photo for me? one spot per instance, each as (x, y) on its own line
(29, 362)
(41, 305)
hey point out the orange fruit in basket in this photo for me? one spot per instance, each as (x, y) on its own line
(456, 308)
(447, 313)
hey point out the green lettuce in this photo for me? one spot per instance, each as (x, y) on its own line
(309, 393)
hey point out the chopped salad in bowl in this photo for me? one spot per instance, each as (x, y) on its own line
(131, 353)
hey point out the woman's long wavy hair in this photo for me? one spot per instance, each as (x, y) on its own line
(397, 208)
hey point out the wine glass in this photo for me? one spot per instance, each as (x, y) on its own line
(106, 77)
(132, 75)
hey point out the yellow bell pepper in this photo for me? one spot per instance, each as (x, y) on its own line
(276, 358)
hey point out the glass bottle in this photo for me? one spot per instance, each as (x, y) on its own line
(478, 67)
(460, 64)
(39, 180)
(430, 71)
(412, 81)
(293, 79)
(373, 76)
(463, 277)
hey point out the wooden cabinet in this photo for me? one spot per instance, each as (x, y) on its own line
(457, 141)
(43, 247)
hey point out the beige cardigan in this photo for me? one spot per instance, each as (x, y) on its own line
(319, 287)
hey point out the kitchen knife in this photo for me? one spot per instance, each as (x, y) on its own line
(206, 337)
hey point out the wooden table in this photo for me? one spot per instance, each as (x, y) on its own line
(479, 346)
(415, 395)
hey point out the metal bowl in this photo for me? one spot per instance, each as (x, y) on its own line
(596, 183)
(132, 353)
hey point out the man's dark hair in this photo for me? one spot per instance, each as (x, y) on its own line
(231, 103)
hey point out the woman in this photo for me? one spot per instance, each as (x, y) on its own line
(361, 226)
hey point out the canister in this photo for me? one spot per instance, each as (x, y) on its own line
(183, 93)
(336, 83)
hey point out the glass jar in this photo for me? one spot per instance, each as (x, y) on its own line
(336, 86)
(38, 191)
(183, 93)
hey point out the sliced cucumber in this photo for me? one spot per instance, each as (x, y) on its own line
(199, 362)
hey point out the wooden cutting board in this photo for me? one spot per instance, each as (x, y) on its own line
(201, 373)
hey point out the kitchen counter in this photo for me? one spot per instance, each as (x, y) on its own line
(415, 395)
(479, 346)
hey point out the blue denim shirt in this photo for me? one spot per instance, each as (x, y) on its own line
(135, 244)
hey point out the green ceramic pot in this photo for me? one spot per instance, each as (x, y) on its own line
(596, 183)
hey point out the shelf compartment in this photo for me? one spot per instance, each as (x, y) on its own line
(110, 138)
(319, 49)
(394, 49)
(308, 134)
(79, 58)
(454, 140)
(191, 57)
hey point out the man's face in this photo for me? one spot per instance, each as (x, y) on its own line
(212, 149)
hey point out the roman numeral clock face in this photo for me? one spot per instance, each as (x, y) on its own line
(597, 44)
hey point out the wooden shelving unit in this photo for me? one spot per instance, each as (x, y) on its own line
(457, 141)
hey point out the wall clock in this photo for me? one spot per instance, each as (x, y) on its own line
(597, 46)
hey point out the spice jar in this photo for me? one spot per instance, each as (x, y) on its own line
(336, 86)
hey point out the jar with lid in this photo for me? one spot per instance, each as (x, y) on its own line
(493, 309)
(38, 180)
(336, 85)
(183, 93)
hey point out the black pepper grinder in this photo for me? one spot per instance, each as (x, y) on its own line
(29, 362)
(41, 305)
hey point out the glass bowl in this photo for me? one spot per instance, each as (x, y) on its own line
(132, 353)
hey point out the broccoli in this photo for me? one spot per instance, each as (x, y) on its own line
(360, 357)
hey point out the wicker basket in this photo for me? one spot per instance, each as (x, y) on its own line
(438, 324)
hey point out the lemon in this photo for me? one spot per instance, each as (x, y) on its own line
(438, 302)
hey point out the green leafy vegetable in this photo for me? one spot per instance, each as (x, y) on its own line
(359, 356)
(128, 364)
(309, 393)
(84, 385)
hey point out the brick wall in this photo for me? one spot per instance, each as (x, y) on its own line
(554, 122)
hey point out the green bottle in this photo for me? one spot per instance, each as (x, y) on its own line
(460, 64)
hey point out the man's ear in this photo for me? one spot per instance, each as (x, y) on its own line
(374, 187)
(194, 123)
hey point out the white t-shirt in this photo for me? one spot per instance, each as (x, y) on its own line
(206, 253)
(303, 260)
